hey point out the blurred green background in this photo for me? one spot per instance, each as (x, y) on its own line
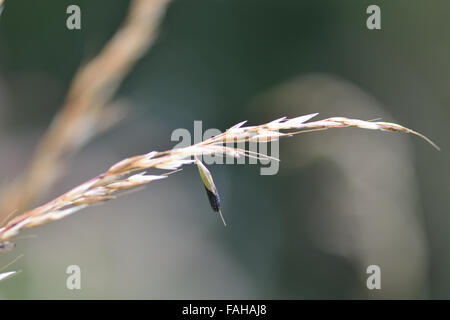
(342, 200)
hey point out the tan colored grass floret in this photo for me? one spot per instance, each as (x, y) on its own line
(131, 172)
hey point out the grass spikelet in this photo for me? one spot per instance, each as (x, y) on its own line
(6, 275)
(210, 187)
(2, 7)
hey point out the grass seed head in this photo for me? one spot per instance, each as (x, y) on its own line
(131, 172)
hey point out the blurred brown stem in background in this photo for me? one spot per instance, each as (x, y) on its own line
(84, 113)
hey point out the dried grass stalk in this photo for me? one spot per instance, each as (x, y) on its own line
(2, 6)
(83, 114)
(131, 172)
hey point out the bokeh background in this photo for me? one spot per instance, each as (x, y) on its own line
(342, 200)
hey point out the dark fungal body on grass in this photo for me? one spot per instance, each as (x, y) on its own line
(214, 199)
(210, 187)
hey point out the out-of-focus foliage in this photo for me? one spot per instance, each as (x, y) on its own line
(341, 200)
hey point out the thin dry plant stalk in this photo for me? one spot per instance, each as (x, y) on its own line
(83, 114)
(2, 6)
(131, 172)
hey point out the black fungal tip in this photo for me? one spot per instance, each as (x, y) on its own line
(214, 199)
